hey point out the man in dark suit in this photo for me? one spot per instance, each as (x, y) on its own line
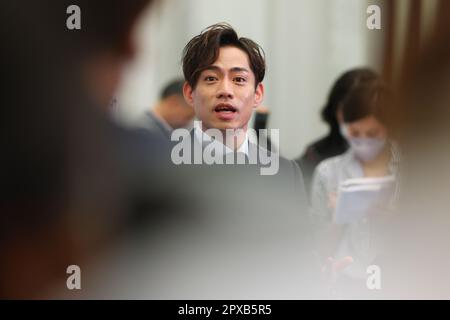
(224, 83)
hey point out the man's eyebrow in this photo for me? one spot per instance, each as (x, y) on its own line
(212, 68)
(239, 69)
(234, 69)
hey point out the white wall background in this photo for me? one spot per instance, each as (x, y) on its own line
(308, 43)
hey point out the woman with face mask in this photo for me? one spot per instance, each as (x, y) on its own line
(351, 248)
(333, 143)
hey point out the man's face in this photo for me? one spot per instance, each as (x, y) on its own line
(225, 94)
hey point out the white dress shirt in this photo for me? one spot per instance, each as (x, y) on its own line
(201, 137)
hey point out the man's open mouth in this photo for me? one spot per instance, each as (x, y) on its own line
(225, 108)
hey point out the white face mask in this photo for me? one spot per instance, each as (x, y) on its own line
(367, 149)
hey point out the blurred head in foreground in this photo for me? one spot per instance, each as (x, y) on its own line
(420, 258)
(58, 162)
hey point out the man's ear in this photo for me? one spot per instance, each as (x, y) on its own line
(259, 95)
(188, 94)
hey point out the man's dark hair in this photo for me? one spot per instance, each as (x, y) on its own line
(203, 50)
(175, 87)
(371, 98)
(341, 89)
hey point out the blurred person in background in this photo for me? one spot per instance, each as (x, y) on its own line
(171, 112)
(64, 187)
(334, 143)
(372, 154)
